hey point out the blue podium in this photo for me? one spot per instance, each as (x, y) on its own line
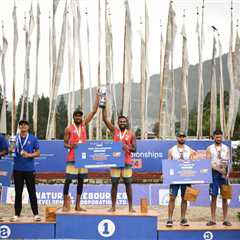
(200, 231)
(100, 224)
(27, 229)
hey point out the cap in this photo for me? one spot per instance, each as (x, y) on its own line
(77, 111)
(181, 133)
(23, 121)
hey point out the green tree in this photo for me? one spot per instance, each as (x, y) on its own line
(43, 110)
(61, 118)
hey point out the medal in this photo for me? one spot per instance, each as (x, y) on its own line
(79, 132)
(19, 141)
(121, 136)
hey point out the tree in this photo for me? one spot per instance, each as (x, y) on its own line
(61, 118)
(43, 110)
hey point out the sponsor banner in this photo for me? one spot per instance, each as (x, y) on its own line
(187, 171)
(99, 154)
(6, 166)
(92, 194)
(148, 157)
(158, 194)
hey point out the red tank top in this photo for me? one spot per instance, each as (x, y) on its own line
(75, 137)
(126, 138)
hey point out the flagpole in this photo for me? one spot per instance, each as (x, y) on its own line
(98, 118)
(222, 109)
(142, 83)
(15, 43)
(35, 100)
(213, 105)
(24, 84)
(90, 129)
(200, 75)
(161, 77)
(231, 78)
(3, 120)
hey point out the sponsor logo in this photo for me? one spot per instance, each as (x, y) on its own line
(106, 228)
(164, 197)
(84, 155)
(11, 196)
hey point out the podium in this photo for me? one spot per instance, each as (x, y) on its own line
(26, 228)
(199, 230)
(101, 224)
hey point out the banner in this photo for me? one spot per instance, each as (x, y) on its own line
(5, 172)
(99, 154)
(157, 195)
(187, 171)
(147, 158)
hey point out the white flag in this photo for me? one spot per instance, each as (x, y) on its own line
(3, 120)
(56, 79)
(221, 92)
(127, 70)
(213, 104)
(231, 79)
(184, 114)
(35, 98)
(200, 37)
(166, 102)
(15, 43)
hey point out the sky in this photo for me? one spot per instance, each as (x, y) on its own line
(217, 13)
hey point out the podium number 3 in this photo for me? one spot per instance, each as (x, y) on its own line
(106, 228)
(208, 235)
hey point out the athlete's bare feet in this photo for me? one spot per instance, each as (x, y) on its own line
(79, 209)
(112, 209)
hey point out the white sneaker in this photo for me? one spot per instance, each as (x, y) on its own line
(37, 218)
(14, 218)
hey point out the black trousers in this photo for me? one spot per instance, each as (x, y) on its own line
(29, 178)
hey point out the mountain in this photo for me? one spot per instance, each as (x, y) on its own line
(154, 91)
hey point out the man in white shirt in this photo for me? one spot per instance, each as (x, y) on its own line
(219, 154)
(179, 152)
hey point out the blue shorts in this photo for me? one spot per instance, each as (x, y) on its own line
(218, 181)
(173, 190)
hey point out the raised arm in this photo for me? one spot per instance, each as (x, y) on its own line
(90, 115)
(109, 125)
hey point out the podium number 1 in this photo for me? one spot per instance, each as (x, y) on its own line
(106, 231)
(106, 228)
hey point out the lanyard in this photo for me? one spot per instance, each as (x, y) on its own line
(20, 142)
(181, 152)
(79, 131)
(122, 135)
(219, 151)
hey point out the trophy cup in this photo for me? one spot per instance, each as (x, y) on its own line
(12, 145)
(103, 97)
